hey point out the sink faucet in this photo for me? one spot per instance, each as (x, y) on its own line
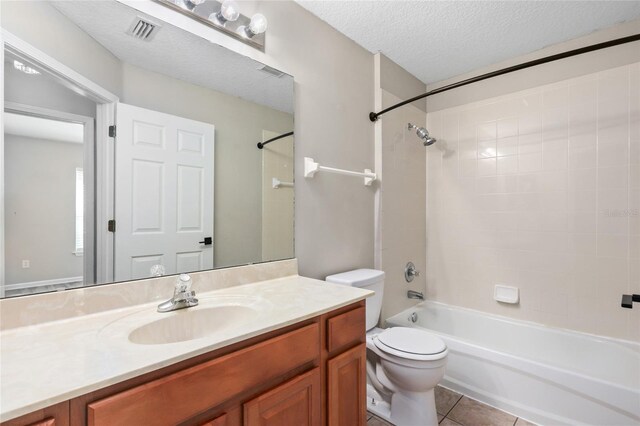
(412, 294)
(182, 298)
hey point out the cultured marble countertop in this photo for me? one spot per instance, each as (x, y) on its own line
(48, 363)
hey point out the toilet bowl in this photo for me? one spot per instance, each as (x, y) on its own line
(404, 365)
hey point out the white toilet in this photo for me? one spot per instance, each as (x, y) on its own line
(404, 364)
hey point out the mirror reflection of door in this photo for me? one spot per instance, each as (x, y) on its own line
(164, 202)
(46, 182)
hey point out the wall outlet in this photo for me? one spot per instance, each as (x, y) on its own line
(26, 264)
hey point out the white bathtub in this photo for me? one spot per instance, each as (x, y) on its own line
(546, 375)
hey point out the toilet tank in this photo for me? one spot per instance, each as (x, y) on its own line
(371, 279)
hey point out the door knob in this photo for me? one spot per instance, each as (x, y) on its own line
(207, 241)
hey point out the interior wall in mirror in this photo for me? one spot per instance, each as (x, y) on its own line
(185, 183)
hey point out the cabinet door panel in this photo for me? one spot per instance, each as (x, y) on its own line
(179, 396)
(346, 388)
(55, 415)
(296, 402)
(218, 421)
(46, 422)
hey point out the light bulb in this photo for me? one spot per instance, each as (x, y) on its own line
(258, 24)
(229, 10)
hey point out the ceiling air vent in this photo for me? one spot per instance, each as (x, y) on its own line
(271, 71)
(143, 29)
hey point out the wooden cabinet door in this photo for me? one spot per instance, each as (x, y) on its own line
(296, 402)
(347, 388)
(55, 415)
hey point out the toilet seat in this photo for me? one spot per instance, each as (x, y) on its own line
(411, 343)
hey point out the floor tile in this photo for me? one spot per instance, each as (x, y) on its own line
(375, 421)
(448, 422)
(469, 412)
(523, 422)
(440, 417)
(445, 400)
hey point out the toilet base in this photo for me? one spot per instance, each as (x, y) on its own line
(407, 409)
(377, 405)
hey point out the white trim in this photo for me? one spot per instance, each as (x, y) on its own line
(104, 196)
(2, 233)
(37, 111)
(88, 169)
(56, 68)
(104, 163)
(20, 286)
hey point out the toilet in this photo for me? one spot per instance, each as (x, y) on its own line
(404, 364)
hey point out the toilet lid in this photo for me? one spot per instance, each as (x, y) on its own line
(411, 343)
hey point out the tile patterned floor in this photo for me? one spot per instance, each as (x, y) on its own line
(455, 409)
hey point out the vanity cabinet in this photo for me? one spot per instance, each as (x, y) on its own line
(311, 373)
(55, 415)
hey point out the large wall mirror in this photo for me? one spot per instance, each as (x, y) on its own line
(178, 186)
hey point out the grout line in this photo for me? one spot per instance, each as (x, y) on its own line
(454, 406)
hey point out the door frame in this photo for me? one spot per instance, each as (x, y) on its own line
(88, 153)
(104, 149)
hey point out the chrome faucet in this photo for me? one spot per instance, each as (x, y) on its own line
(412, 294)
(182, 298)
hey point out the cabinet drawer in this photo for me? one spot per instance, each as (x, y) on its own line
(179, 396)
(346, 329)
(55, 415)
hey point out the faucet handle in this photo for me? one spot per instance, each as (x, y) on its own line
(410, 272)
(183, 285)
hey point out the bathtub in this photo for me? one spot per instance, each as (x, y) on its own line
(546, 375)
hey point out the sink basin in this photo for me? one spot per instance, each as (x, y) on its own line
(189, 324)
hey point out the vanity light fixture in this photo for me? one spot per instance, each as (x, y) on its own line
(225, 17)
(25, 68)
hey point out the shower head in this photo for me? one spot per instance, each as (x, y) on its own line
(423, 134)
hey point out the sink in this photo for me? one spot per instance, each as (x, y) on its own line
(193, 323)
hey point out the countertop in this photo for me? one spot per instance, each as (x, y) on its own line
(48, 363)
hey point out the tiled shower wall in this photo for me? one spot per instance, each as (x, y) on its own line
(540, 189)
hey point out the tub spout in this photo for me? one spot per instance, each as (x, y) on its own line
(411, 294)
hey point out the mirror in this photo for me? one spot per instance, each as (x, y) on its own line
(178, 185)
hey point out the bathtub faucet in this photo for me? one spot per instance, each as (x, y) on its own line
(411, 294)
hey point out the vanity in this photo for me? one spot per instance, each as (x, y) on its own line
(132, 198)
(299, 359)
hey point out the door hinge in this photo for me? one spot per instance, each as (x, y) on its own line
(112, 131)
(111, 226)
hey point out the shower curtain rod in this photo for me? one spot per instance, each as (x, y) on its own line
(284, 135)
(373, 116)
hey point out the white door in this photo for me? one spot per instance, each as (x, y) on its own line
(164, 193)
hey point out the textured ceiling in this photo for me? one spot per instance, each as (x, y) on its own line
(179, 54)
(436, 40)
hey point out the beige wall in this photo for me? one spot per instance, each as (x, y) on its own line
(238, 162)
(334, 80)
(400, 204)
(277, 203)
(44, 92)
(334, 215)
(40, 209)
(540, 189)
(39, 24)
